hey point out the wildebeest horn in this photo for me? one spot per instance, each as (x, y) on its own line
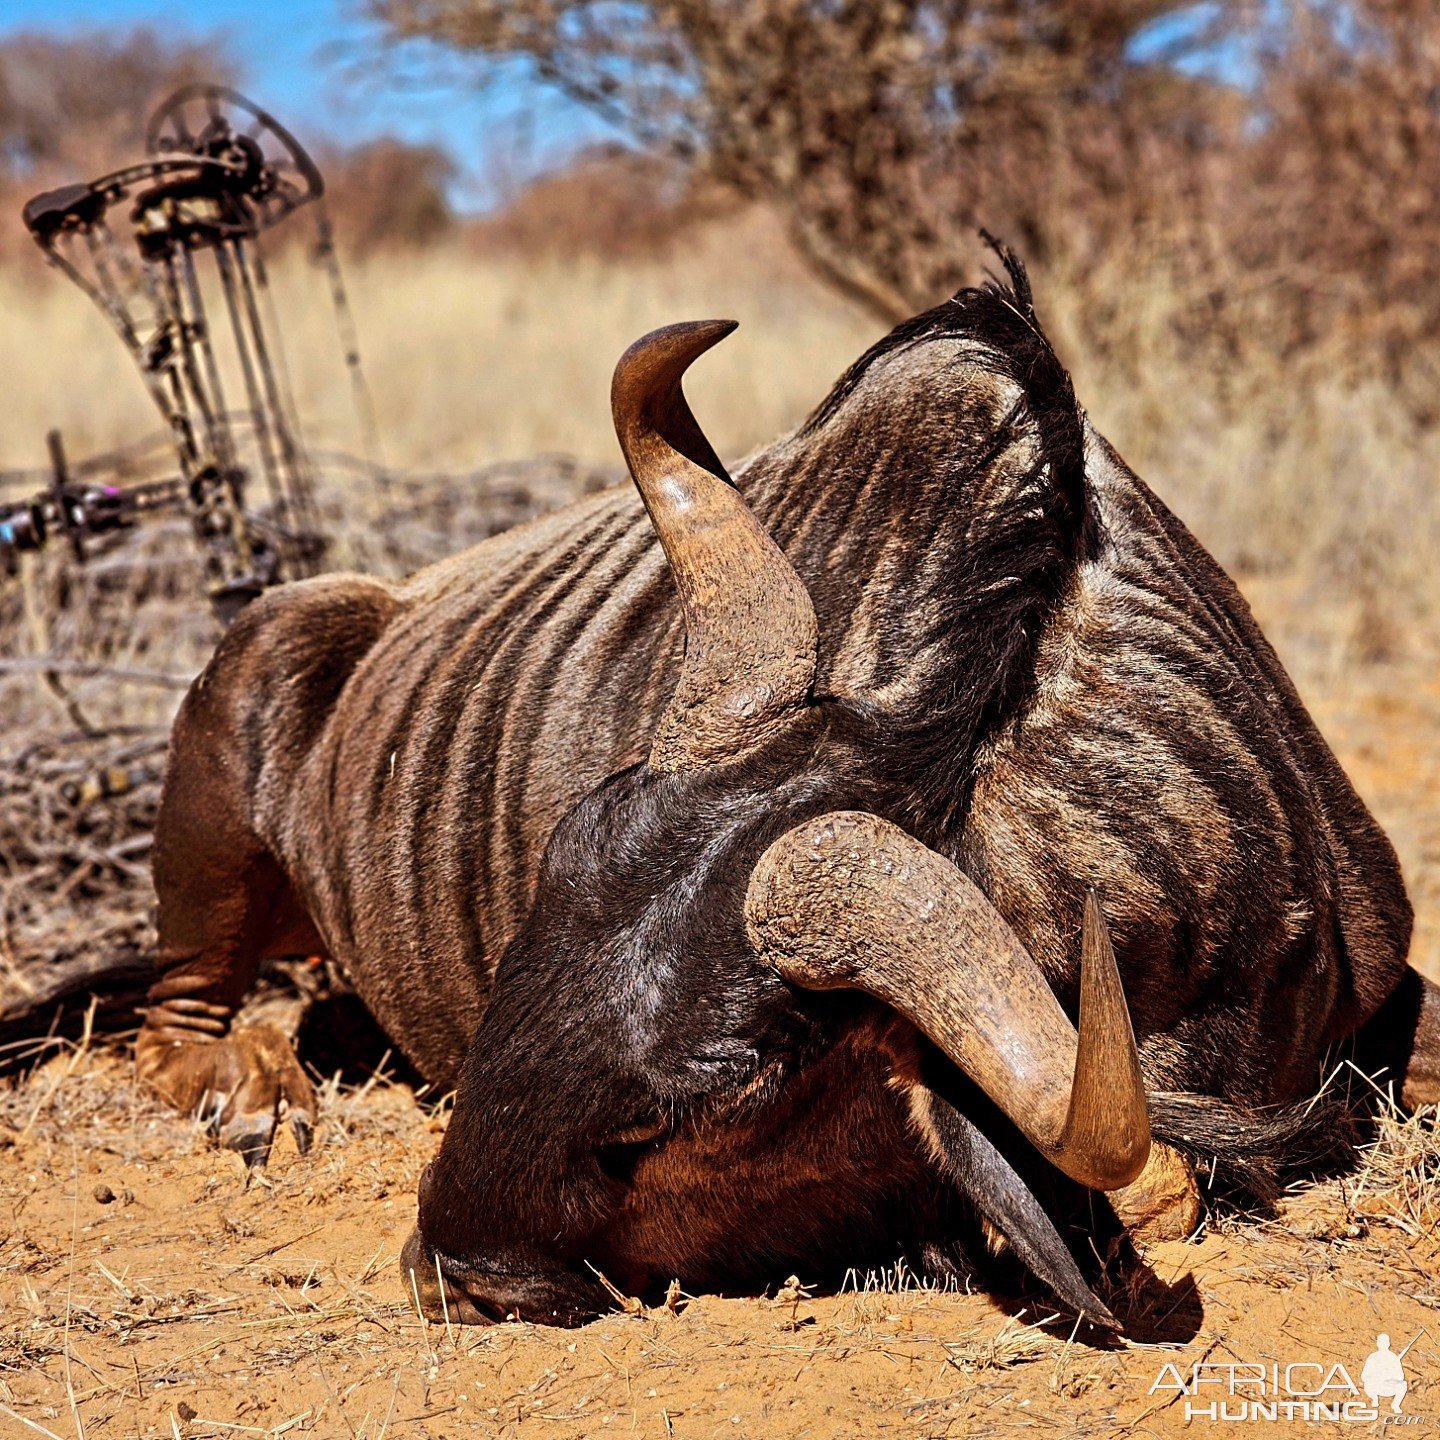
(749, 624)
(850, 901)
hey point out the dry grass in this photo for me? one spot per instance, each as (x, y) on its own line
(471, 359)
(475, 359)
(1398, 1181)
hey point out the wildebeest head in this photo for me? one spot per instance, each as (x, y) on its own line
(728, 1035)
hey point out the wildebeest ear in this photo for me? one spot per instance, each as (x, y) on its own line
(850, 901)
(750, 632)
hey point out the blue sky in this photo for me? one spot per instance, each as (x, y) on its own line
(313, 62)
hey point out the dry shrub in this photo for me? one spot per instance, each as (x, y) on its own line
(607, 203)
(75, 830)
(1294, 210)
(388, 194)
(1342, 217)
(878, 131)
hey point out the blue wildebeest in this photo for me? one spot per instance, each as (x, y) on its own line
(777, 868)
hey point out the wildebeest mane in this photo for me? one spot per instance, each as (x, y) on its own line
(1019, 475)
(999, 320)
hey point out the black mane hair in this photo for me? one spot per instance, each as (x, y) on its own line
(1010, 574)
(1000, 321)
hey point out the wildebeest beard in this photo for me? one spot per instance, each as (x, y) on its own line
(837, 944)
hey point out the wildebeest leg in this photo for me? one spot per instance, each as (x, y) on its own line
(238, 746)
(1401, 1041)
(981, 1173)
(224, 905)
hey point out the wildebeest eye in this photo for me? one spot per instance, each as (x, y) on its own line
(618, 1155)
(639, 1132)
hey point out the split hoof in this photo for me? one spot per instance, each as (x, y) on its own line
(242, 1086)
(252, 1136)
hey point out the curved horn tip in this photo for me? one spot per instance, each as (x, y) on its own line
(750, 626)
(670, 348)
(848, 899)
(1109, 1117)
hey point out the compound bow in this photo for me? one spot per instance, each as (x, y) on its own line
(221, 172)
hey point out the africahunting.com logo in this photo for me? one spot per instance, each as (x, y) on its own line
(1303, 1390)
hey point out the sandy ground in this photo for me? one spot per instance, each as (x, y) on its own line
(145, 1290)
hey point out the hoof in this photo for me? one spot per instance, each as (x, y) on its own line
(1163, 1201)
(242, 1086)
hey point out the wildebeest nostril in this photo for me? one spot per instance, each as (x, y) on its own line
(438, 1296)
(427, 1184)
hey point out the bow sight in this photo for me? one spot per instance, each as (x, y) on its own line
(221, 172)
